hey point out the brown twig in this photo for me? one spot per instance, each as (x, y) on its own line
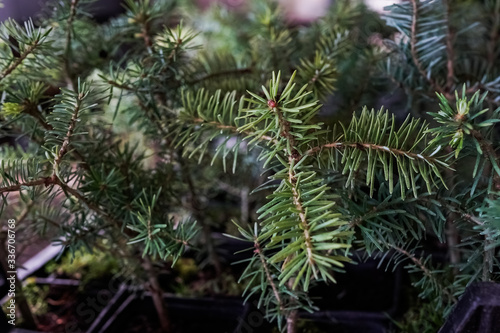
(157, 296)
(472, 219)
(14, 188)
(426, 272)
(293, 316)
(145, 35)
(172, 54)
(69, 133)
(121, 85)
(90, 205)
(19, 60)
(489, 256)
(54, 180)
(67, 52)
(32, 111)
(359, 145)
(269, 278)
(127, 87)
(232, 129)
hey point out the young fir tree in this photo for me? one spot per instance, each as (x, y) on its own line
(247, 96)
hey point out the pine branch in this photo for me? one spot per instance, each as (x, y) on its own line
(428, 273)
(320, 75)
(293, 157)
(220, 71)
(22, 41)
(311, 228)
(281, 302)
(176, 42)
(374, 138)
(29, 50)
(143, 13)
(490, 230)
(54, 180)
(66, 119)
(71, 128)
(17, 187)
(362, 146)
(123, 86)
(92, 206)
(465, 122)
(270, 280)
(204, 118)
(145, 34)
(424, 23)
(292, 178)
(414, 52)
(32, 111)
(166, 239)
(232, 129)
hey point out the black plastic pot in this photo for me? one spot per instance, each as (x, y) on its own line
(221, 315)
(350, 305)
(379, 298)
(132, 310)
(86, 307)
(347, 322)
(88, 304)
(4, 325)
(477, 311)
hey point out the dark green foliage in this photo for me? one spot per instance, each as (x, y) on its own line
(261, 278)
(147, 132)
(24, 50)
(374, 142)
(162, 239)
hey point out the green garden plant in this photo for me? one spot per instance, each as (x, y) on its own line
(125, 130)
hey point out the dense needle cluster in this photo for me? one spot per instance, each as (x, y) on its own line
(124, 129)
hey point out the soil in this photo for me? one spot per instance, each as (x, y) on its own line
(73, 309)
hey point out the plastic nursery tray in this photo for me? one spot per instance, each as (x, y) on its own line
(477, 311)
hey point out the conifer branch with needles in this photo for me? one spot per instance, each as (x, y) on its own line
(28, 41)
(18, 61)
(374, 182)
(71, 128)
(413, 45)
(451, 299)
